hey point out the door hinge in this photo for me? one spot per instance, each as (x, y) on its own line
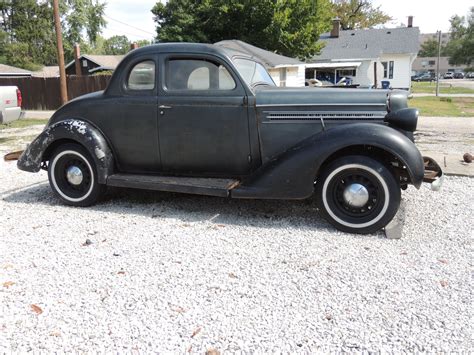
(245, 100)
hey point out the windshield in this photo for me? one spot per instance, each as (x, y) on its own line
(253, 72)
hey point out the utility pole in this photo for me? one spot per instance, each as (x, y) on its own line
(59, 41)
(437, 63)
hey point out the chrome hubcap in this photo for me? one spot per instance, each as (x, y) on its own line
(74, 175)
(356, 195)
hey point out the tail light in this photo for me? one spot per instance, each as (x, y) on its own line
(19, 98)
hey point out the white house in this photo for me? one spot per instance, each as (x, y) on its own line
(367, 56)
(285, 71)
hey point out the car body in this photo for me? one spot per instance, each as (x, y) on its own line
(424, 77)
(203, 119)
(458, 75)
(448, 75)
(10, 104)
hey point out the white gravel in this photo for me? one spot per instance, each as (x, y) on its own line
(167, 272)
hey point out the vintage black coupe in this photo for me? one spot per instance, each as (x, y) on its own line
(204, 119)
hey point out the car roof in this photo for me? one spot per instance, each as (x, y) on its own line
(184, 47)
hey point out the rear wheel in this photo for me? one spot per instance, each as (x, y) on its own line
(358, 194)
(73, 176)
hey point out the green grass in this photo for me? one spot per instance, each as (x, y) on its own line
(26, 122)
(444, 106)
(425, 87)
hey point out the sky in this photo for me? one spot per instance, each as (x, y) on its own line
(134, 19)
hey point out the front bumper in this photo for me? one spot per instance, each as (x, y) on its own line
(433, 174)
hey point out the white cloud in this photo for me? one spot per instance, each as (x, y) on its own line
(429, 15)
(131, 18)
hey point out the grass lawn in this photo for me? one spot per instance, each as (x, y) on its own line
(444, 106)
(426, 87)
(25, 122)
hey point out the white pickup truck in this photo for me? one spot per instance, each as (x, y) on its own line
(10, 104)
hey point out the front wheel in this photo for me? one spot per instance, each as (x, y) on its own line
(73, 176)
(358, 194)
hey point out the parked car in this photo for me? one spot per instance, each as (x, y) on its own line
(458, 75)
(448, 75)
(10, 104)
(424, 77)
(470, 75)
(211, 121)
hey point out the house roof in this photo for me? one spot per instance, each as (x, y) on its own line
(47, 72)
(105, 62)
(8, 70)
(369, 43)
(269, 59)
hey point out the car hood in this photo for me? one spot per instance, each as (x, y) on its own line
(322, 98)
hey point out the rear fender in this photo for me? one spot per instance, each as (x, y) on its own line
(292, 174)
(75, 130)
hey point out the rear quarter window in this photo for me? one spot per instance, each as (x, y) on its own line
(142, 76)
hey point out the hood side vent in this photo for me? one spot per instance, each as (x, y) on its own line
(316, 116)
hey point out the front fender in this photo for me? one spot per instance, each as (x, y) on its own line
(75, 130)
(292, 174)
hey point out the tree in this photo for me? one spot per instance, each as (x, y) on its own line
(29, 29)
(357, 14)
(461, 45)
(289, 27)
(429, 48)
(143, 43)
(116, 45)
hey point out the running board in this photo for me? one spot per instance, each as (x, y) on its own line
(189, 185)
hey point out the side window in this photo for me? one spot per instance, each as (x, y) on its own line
(142, 76)
(197, 74)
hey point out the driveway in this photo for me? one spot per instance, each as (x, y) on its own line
(160, 272)
(446, 139)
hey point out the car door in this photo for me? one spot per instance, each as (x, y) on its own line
(130, 119)
(202, 120)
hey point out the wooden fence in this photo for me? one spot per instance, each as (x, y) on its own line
(44, 93)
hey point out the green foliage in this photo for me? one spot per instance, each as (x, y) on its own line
(358, 14)
(461, 46)
(430, 49)
(27, 34)
(289, 27)
(116, 45)
(143, 43)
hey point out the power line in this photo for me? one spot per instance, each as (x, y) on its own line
(122, 32)
(126, 24)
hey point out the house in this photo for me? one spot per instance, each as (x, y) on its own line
(285, 71)
(7, 71)
(91, 64)
(367, 56)
(428, 64)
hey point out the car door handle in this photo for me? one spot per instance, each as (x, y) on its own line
(164, 107)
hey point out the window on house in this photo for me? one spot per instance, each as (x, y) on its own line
(390, 69)
(346, 72)
(198, 74)
(142, 76)
(385, 70)
(431, 62)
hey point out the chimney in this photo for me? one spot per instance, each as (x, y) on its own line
(410, 21)
(133, 46)
(336, 27)
(77, 55)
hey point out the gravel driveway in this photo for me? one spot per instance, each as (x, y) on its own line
(166, 272)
